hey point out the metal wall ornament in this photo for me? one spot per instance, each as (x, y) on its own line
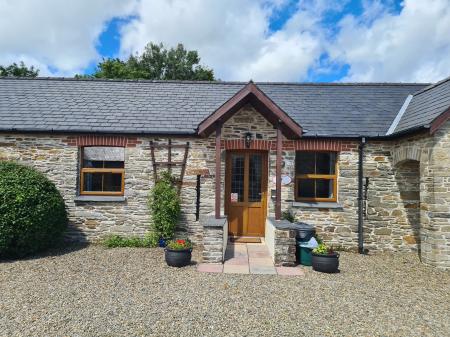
(248, 139)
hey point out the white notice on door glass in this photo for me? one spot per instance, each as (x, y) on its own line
(234, 197)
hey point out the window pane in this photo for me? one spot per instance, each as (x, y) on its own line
(92, 182)
(112, 182)
(237, 178)
(254, 178)
(305, 162)
(113, 164)
(305, 188)
(102, 182)
(92, 164)
(103, 153)
(324, 188)
(103, 164)
(325, 162)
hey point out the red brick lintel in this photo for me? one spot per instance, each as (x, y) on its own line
(95, 140)
(291, 145)
(227, 144)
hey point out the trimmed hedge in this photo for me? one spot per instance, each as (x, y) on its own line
(32, 212)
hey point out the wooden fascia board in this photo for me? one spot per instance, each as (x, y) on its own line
(250, 91)
(439, 121)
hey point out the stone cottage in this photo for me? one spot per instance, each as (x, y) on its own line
(367, 164)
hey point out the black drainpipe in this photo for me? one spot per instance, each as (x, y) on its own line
(360, 196)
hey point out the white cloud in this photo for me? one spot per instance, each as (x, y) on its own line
(231, 36)
(411, 46)
(55, 34)
(234, 38)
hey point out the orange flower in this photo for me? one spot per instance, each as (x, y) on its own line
(181, 242)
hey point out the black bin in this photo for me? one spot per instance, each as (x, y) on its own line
(304, 232)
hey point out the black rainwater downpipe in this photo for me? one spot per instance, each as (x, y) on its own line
(361, 196)
(197, 201)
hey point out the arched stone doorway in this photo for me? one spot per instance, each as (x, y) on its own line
(407, 176)
(406, 162)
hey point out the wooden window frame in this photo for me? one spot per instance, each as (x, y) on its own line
(332, 177)
(85, 170)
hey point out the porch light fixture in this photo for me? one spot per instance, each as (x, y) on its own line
(248, 139)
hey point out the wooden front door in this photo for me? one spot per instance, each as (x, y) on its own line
(246, 192)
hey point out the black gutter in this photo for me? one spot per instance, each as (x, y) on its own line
(361, 196)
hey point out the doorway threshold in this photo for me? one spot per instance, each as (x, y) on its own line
(245, 239)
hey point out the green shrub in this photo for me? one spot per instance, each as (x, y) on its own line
(151, 239)
(287, 215)
(32, 212)
(164, 204)
(114, 241)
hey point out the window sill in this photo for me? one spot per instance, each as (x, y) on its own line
(100, 198)
(304, 204)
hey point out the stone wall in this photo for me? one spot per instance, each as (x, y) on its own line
(215, 239)
(58, 159)
(398, 198)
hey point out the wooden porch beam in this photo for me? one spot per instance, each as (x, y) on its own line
(218, 166)
(278, 173)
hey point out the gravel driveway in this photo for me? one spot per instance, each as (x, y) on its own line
(131, 292)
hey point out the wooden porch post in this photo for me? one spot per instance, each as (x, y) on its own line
(218, 140)
(278, 174)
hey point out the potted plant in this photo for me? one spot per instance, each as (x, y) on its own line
(325, 259)
(178, 253)
(164, 204)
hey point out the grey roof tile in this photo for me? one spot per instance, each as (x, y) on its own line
(345, 110)
(425, 106)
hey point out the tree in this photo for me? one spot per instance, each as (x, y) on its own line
(156, 63)
(18, 70)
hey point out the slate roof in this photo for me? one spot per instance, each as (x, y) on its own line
(425, 106)
(169, 107)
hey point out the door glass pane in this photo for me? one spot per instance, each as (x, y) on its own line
(305, 188)
(325, 162)
(237, 178)
(324, 188)
(254, 178)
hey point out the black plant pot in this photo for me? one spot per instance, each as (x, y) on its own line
(178, 258)
(325, 263)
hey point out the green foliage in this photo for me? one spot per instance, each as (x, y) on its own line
(113, 241)
(32, 212)
(179, 244)
(287, 215)
(323, 249)
(151, 239)
(164, 204)
(155, 63)
(18, 70)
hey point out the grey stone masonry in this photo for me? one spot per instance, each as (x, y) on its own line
(215, 237)
(281, 239)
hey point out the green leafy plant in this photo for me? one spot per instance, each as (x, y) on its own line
(155, 63)
(151, 239)
(18, 70)
(164, 204)
(115, 241)
(287, 215)
(179, 244)
(33, 216)
(323, 249)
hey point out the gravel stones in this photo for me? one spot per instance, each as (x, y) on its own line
(95, 291)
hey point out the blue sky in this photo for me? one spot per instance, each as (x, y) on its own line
(265, 40)
(109, 41)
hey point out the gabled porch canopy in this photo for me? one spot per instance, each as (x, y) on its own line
(266, 107)
(256, 97)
